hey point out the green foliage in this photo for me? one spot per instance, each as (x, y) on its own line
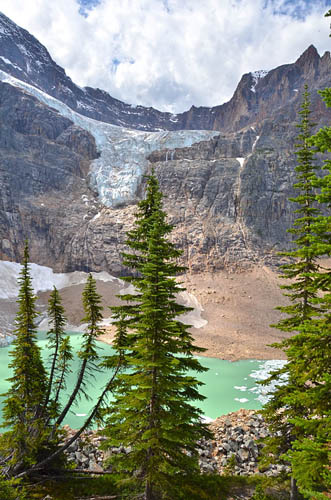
(60, 346)
(32, 409)
(260, 494)
(152, 413)
(27, 440)
(299, 410)
(302, 267)
(230, 465)
(88, 353)
(12, 489)
(310, 454)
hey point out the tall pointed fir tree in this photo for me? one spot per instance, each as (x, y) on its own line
(27, 441)
(153, 415)
(311, 454)
(59, 346)
(288, 402)
(89, 352)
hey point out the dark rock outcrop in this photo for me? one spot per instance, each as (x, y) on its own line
(43, 166)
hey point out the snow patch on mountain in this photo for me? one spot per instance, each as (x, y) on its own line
(117, 173)
(7, 61)
(257, 75)
(43, 278)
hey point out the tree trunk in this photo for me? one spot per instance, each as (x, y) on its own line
(148, 491)
(294, 493)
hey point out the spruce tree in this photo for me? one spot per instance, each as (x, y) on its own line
(88, 353)
(26, 441)
(59, 345)
(288, 402)
(153, 415)
(310, 455)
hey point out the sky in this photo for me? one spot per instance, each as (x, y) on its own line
(171, 54)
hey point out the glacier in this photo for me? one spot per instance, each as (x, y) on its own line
(117, 173)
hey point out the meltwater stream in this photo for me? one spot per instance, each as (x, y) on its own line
(228, 387)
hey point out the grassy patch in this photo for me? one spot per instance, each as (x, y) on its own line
(204, 487)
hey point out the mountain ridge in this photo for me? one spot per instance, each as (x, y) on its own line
(22, 56)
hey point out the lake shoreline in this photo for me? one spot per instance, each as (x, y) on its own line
(212, 351)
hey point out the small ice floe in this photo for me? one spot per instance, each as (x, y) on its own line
(254, 389)
(241, 400)
(263, 372)
(242, 388)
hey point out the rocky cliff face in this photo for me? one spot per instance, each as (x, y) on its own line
(44, 162)
(226, 192)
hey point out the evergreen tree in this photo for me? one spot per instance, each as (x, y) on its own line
(152, 413)
(32, 408)
(56, 344)
(88, 353)
(288, 402)
(90, 364)
(26, 441)
(311, 454)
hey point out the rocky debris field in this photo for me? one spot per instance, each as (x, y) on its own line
(235, 448)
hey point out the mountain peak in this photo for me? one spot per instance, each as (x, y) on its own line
(310, 55)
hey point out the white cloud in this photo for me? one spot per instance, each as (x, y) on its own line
(171, 54)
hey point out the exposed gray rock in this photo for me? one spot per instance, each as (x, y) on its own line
(227, 197)
(229, 451)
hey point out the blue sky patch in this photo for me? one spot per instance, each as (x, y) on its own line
(86, 5)
(298, 9)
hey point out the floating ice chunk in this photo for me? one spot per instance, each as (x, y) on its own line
(242, 388)
(262, 373)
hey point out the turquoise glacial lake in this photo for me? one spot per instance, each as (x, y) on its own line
(228, 386)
